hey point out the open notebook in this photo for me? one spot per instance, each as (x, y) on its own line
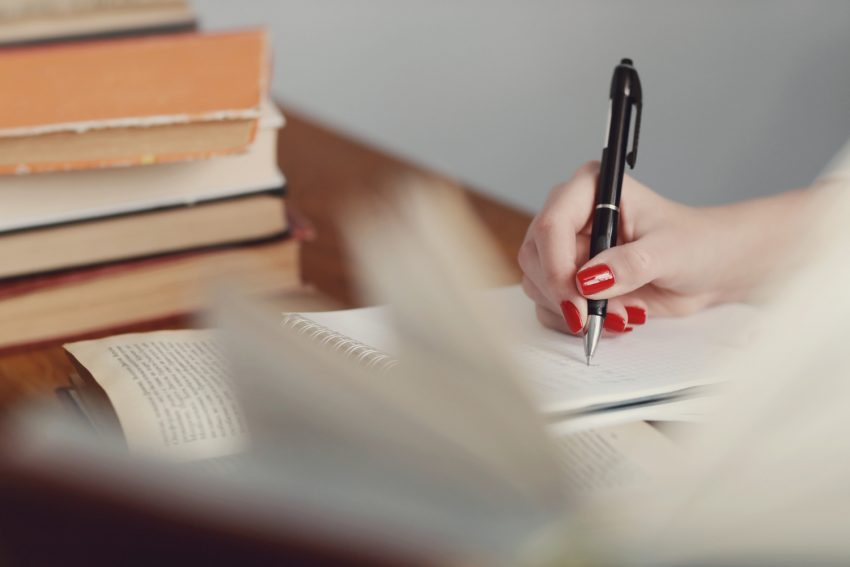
(664, 361)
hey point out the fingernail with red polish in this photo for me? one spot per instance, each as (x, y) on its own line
(595, 279)
(637, 315)
(572, 316)
(614, 323)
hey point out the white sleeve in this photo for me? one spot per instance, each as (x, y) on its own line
(839, 167)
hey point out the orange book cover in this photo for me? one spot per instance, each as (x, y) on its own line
(136, 85)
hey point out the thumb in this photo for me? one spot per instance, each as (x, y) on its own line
(619, 270)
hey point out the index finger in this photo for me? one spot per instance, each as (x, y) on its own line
(564, 215)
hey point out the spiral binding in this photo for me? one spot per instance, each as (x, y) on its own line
(350, 348)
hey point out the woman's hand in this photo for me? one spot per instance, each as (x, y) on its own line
(671, 259)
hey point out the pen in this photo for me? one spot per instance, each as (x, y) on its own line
(625, 93)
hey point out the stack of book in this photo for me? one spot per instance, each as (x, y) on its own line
(133, 171)
(39, 21)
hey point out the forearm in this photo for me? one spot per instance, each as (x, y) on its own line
(760, 242)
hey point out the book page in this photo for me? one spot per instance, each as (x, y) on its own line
(604, 460)
(170, 392)
(666, 355)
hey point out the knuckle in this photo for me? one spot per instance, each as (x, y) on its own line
(639, 261)
(524, 256)
(590, 166)
(543, 316)
(544, 226)
(553, 279)
(531, 291)
(557, 190)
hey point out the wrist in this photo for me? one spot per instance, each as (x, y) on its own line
(758, 243)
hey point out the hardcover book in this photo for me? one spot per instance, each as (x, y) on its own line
(131, 101)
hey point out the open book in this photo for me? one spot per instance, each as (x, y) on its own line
(176, 395)
(170, 395)
(242, 399)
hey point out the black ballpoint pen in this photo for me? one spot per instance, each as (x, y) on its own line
(625, 93)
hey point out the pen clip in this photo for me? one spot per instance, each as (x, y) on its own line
(634, 94)
(632, 155)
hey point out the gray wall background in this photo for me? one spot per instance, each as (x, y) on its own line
(742, 98)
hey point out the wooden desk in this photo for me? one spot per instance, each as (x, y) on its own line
(325, 171)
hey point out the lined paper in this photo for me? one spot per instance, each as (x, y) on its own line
(665, 356)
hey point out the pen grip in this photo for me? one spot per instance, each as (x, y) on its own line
(602, 237)
(597, 307)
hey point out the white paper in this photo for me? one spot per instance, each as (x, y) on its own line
(609, 459)
(664, 356)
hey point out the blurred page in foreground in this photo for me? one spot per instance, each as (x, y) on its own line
(768, 481)
(446, 450)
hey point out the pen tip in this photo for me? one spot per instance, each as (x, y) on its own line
(588, 360)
